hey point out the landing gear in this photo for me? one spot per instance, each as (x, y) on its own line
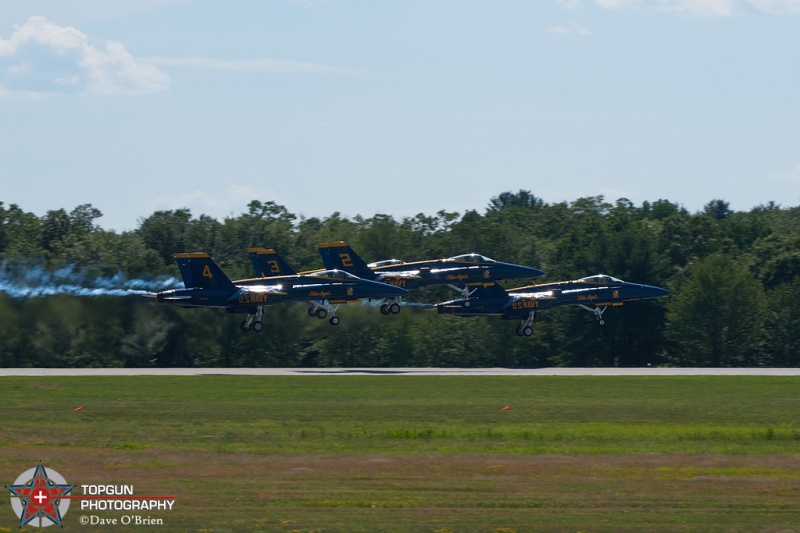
(466, 294)
(525, 329)
(598, 313)
(390, 307)
(254, 321)
(322, 310)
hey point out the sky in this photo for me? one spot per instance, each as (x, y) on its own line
(396, 107)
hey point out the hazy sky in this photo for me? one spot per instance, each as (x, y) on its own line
(398, 107)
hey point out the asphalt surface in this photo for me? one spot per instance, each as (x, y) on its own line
(5, 372)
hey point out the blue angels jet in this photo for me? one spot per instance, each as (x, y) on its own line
(206, 285)
(593, 293)
(463, 273)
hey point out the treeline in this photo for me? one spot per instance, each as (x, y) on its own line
(734, 277)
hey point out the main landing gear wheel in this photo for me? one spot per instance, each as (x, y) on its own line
(258, 326)
(392, 308)
(245, 326)
(466, 303)
(322, 313)
(601, 322)
(312, 311)
(524, 331)
(334, 321)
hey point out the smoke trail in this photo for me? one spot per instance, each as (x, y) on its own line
(36, 282)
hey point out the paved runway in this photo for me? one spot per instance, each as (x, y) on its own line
(400, 371)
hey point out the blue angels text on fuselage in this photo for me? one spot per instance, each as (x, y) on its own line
(206, 285)
(593, 293)
(463, 272)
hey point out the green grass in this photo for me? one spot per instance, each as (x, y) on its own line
(422, 453)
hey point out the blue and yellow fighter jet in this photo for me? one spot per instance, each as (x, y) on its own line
(206, 285)
(463, 272)
(593, 293)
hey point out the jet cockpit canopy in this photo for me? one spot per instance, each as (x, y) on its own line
(335, 273)
(471, 258)
(385, 262)
(602, 278)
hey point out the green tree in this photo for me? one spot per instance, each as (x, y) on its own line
(717, 318)
(783, 324)
(164, 232)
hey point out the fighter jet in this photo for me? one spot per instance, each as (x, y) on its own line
(206, 285)
(463, 273)
(593, 293)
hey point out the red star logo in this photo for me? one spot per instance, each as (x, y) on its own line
(40, 497)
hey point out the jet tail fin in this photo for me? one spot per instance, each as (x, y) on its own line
(268, 264)
(200, 272)
(340, 256)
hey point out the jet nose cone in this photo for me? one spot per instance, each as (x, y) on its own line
(397, 291)
(649, 291)
(533, 272)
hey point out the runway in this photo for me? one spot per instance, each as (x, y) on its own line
(552, 371)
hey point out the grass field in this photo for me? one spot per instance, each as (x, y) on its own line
(420, 453)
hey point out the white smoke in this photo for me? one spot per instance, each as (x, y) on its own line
(37, 282)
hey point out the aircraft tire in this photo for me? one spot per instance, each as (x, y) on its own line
(519, 331)
(527, 331)
(312, 311)
(245, 326)
(258, 326)
(601, 322)
(466, 303)
(394, 308)
(334, 321)
(385, 309)
(321, 313)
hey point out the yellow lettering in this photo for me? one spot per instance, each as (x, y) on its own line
(207, 272)
(346, 260)
(273, 267)
(318, 294)
(525, 304)
(253, 298)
